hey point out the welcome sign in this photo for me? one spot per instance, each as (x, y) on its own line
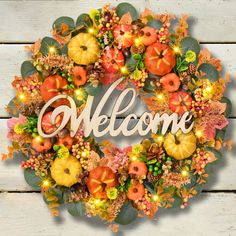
(152, 122)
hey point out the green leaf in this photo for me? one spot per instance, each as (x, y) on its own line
(149, 85)
(59, 24)
(210, 71)
(64, 49)
(149, 186)
(84, 20)
(27, 69)
(125, 7)
(127, 214)
(76, 209)
(182, 68)
(131, 64)
(156, 24)
(189, 43)
(228, 110)
(93, 91)
(48, 42)
(220, 134)
(177, 201)
(32, 179)
(13, 107)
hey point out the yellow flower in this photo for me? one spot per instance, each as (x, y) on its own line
(112, 193)
(19, 129)
(190, 56)
(63, 152)
(137, 148)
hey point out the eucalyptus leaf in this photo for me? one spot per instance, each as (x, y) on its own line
(131, 64)
(220, 134)
(217, 154)
(32, 179)
(127, 214)
(156, 24)
(93, 91)
(189, 43)
(210, 71)
(27, 69)
(64, 49)
(125, 7)
(13, 107)
(63, 25)
(149, 186)
(76, 208)
(177, 201)
(84, 20)
(48, 42)
(228, 110)
(149, 85)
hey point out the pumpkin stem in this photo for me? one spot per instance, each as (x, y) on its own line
(176, 140)
(67, 171)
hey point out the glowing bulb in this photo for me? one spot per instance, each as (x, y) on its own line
(46, 183)
(124, 70)
(97, 202)
(184, 173)
(176, 49)
(38, 139)
(160, 96)
(133, 158)
(160, 139)
(79, 94)
(199, 133)
(91, 30)
(52, 49)
(84, 154)
(155, 197)
(138, 41)
(209, 89)
(22, 96)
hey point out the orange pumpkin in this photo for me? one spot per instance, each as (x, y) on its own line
(136, 191)
(100, 179)
(159, 59)
(123, 35)
(51, 87)
(80, 77)
(41, 145)
(170, 82)
(113, 60)
(180, 102)
(47, 125)
(138, 168)
(148, 35)
(66, 141)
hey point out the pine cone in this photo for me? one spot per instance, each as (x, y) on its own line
(80, 194)
(95, 73)
(137, 49)
(152, 178)
(185, 77)
(31, 109)
(191, 69)
(122, 177)
(155, 152)
(138, 24)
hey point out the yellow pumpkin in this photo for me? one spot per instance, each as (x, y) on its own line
(180, 145)
(65, 170)
(84, 49)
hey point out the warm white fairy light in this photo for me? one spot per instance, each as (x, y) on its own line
(155, 197)
(176, 49)
(199, 133)
(38, 139)
(160, 96)
(184, 173)
(52, 49)
(124, 70)
(91, 30)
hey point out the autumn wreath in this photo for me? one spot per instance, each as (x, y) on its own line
(171, 75)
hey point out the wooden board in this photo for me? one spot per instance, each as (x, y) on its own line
(26, 214)
(15, 55)
(210, 21)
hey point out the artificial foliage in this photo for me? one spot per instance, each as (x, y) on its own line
(155, 54)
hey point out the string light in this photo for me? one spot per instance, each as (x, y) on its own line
(84, 154)
(52, 49)
(134, 158)
(38, 139)
(176, 49)
(208, 89)
(160, 96)
(160, 138)
(91, 30)
(138, 41)
(97, 202)
(155, 197)
(124, 70)
(22, 96)
(46, 183)
(79, 94)
(184, 173)
(199, 133)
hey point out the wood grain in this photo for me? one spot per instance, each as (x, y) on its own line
(14, 55)
(209, 214)
(222, 177)
(27, 20)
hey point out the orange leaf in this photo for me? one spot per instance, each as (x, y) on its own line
(4, 156)
(126, 19)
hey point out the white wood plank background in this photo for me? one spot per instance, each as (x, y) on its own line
(24, 213)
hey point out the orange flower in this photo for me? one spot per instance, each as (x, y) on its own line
(170, 82)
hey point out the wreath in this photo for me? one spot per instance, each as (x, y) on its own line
(170, 74)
